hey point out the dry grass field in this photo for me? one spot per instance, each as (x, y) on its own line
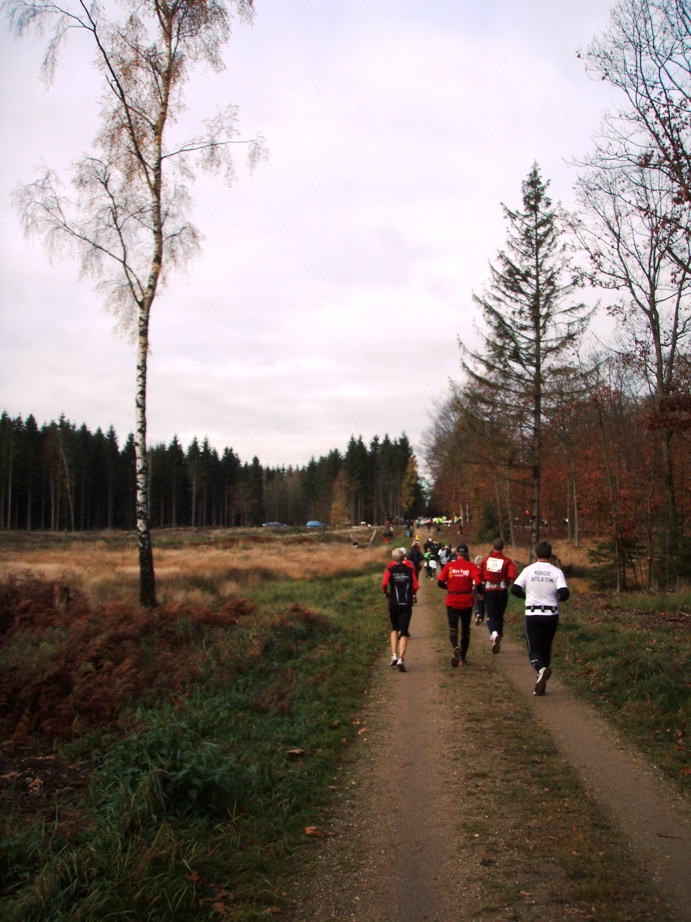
(195, 567)
(191, 567)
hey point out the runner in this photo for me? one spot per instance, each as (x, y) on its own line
(416, 557)
(479, 599)
(543, 586)
(431, 557)
(400, 584)
(498, 572)
(459, 577)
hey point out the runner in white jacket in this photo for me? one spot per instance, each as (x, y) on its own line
(543, 586)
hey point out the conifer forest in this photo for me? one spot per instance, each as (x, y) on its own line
(58, 477)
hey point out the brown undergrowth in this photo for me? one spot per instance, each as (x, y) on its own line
(69, 669)
(185, 749)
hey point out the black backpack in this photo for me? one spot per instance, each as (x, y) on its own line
(400, 586)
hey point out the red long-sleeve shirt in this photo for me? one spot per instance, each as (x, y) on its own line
(459, 578)
(496, 569)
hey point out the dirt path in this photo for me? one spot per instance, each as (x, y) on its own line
(393, 853)
(438, 819)
(642, 803)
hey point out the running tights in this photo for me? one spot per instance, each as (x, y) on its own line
(465, 614)
(540, 631)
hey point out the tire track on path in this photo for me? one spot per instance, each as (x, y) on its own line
(644, 806)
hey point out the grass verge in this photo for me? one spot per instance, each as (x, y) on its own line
(198, 800)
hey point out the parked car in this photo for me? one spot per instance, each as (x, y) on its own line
(314, 524)
(274, 525)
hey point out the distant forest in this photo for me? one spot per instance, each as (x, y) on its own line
(59, 477)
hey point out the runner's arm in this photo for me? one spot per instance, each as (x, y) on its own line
(562, 589)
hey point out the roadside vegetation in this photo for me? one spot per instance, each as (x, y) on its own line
(169, 764)
(631, 656)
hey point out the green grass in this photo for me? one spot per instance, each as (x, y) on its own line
(197, 806)
(631, 656)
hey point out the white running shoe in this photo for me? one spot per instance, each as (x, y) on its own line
(541, 681)
(394, 662)
(496, 642)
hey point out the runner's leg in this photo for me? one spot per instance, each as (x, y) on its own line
(452, 618)
(465, 615)
(540, 631)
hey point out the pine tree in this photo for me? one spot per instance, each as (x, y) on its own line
(412, 499)
(530, 326)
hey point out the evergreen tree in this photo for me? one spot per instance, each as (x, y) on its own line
(529, 324)
(32, 459)
(355, 463)
(194, 470)
(112, 457)
(255, 488)
(229, 474)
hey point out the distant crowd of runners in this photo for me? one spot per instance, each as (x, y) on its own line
(478, 588)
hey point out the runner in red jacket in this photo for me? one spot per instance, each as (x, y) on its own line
(459, 577)
(498, 572)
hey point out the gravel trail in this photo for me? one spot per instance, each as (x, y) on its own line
(392, 855)
(397, 850)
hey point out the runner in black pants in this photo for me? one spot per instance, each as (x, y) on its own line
(459, 577)
(400, 584)
(498, 572)
(543, 587)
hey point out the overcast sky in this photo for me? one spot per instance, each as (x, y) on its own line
(334, 281)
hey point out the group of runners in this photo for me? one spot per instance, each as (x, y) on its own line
(481, 587)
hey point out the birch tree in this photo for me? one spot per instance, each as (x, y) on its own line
(129, 216)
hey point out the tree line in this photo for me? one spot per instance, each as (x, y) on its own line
(552, 432)
(59, 476)
(532, 393)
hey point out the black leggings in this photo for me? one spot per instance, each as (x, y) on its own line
(540, 631)
(495, 606)
(465, 614)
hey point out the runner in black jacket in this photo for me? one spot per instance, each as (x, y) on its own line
(400, 584)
